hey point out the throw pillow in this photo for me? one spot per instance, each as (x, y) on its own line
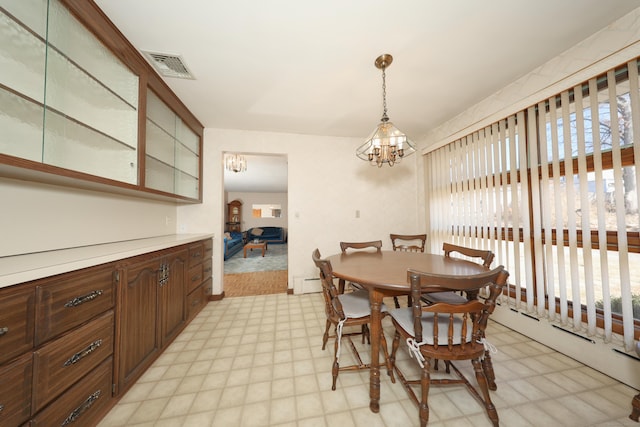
(227, 235)
(257, 231)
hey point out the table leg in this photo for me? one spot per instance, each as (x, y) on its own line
(635, 404)
(375, 297)
(245, 252)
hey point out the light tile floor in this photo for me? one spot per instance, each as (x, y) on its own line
(257, 361)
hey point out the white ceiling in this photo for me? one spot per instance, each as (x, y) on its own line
(307, 67)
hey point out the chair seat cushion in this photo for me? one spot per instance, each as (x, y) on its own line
(447, 297)
(356, 304)
(404, 318)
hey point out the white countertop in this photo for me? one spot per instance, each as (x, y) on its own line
(23, 268)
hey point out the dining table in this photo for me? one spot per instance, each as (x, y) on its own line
(383, 274)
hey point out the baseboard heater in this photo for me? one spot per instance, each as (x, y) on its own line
(574, 334)
(310, 285)
(615, 350)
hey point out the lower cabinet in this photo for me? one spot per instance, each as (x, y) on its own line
(72, 343)
(152, 311)
(172, 298)
(137, 324)
(64, 331)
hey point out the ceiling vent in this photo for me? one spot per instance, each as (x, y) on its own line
(169, 65)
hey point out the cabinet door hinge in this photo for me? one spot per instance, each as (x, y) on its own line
(113, 388)
(117, 276)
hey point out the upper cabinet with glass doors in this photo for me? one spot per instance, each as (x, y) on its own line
(70, 106)
(172, 151)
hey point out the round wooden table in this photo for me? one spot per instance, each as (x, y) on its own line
(385, 274)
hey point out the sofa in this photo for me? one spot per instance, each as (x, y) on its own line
(268, 234)
(233, 243)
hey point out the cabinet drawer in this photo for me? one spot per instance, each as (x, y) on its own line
(196, 253)
(15, 391)
(208, 288)
(207, 268)
(83, 404)
(72, 299)
(208, 248)
(195, 301)
(62, 362)
(16, 322)
(195, 278)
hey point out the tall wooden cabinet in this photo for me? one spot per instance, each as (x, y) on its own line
(234, 216)
(70, 343)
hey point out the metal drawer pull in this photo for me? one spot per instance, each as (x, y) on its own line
(79, 355)
(4, 330)
(196, 255)
(164, 275)
(1, 408)
(80, 409)
(85, 298)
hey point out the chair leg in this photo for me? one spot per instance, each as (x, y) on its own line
(385, 350)
(366, 334)
(425, 381)
(396, 302)
(394, 348)
(635, 403)
(487, 367)
(325, 337)
(484, 388)
(336, 366)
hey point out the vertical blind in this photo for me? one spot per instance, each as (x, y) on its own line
(552, 191)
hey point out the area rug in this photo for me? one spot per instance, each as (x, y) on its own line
(255, 283)
(275, 258)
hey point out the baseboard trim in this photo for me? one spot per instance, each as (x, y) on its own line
(217, 297)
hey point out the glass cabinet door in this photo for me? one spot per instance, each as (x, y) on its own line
(91, 114)
(23, 28)
(172, 151)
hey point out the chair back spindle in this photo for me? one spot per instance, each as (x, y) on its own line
(408, 242)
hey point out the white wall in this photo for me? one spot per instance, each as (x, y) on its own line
(612, 46)
(249, 199)
(40, 217)
(327, 185)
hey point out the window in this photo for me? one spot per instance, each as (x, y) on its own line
(266, 211)
(552, 190)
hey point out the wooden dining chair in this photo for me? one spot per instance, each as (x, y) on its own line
(407, 243)
(375, 244)
(485, 256)
(345, 311)
(448, 332)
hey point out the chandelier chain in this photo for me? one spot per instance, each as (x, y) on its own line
(384, 95)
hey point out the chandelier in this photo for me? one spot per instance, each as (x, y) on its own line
(235, 163)
(386, 144)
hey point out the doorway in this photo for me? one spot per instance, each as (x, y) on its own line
(259, 197)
